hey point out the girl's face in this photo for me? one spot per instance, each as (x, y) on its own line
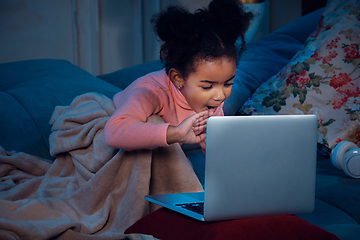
(210, 84)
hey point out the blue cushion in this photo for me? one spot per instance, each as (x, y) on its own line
(337, 208)
(29, 92)
(124, 77)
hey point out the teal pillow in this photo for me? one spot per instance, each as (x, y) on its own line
(29, 92)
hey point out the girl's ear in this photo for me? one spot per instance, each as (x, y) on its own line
(175, 78)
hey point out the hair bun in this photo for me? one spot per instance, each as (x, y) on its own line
(230, 16)
(174, 23)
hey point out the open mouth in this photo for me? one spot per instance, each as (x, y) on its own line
(212, 109)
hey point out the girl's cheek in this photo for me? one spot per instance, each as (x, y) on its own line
(228, 93)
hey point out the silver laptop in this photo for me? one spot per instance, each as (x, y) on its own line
(255, 166)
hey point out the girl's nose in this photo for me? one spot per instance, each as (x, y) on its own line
(219, 95)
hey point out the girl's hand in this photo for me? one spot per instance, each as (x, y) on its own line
(190, 130)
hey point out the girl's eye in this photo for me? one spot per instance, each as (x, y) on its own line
(229, 84)
(206, 88)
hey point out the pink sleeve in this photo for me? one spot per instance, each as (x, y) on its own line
(127, 129)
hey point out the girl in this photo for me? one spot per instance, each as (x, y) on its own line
(164, 109)
(200, 58)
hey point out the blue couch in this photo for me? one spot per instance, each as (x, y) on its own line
(31, 89)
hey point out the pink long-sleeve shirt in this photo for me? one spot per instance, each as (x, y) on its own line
(151, 94)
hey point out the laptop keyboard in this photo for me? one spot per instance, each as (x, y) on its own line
(197, 207)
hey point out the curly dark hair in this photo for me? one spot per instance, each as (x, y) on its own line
(206, 34)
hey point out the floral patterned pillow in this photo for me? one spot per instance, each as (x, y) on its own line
(323, 78)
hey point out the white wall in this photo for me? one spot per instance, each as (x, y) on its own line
(100, 36)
